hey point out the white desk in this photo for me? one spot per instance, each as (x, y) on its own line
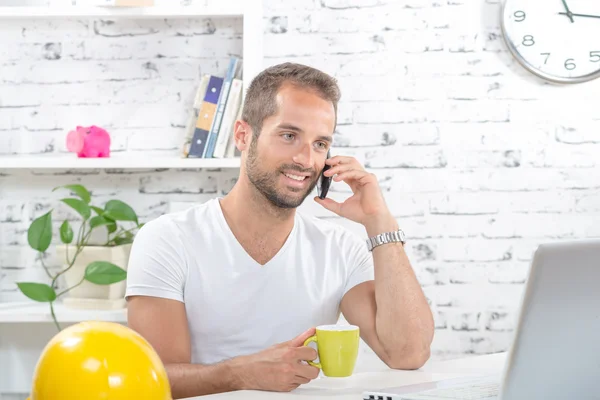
(351, 388)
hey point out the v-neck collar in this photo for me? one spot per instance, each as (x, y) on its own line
(229, 232)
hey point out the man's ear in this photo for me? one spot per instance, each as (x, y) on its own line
(242, 134)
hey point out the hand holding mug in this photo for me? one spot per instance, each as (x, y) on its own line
(280, 367)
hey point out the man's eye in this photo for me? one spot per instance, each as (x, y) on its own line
(288, 136)
(322, 145)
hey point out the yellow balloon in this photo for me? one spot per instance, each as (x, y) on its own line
(96, 360)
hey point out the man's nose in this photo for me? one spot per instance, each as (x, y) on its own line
(304, 157)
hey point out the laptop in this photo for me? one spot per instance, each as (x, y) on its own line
(555, 352)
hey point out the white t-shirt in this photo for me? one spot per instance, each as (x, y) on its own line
(234, 305)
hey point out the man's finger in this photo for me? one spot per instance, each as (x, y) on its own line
(300, 339)
(305, 353)
(307, 371)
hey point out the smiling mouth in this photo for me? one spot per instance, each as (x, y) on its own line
(298, 178)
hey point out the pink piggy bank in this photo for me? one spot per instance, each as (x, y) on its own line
(89, 142)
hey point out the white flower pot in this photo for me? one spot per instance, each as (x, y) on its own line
(90, 295)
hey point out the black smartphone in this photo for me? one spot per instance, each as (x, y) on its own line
(324, 181)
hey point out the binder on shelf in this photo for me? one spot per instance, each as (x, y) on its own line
(229, 117)
(232, 71)
(191, 125)
(206, 116)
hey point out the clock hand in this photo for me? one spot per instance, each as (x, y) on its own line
(568, 12)
(581, 15)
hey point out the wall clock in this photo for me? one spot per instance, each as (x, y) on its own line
(557, 40)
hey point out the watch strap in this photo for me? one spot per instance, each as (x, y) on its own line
(386, 237)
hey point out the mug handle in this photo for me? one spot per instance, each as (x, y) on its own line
(313, 338)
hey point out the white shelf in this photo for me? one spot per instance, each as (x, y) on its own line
(212, 8)
(19, 312)
(115, 161)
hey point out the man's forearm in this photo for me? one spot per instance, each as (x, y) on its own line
(404, 322)
(191, 380)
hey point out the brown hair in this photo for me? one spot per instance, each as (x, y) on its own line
(260, 102)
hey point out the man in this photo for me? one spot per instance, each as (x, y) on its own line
(228, 290)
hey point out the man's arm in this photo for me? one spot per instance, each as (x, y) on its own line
(163, 323)
(392, 312)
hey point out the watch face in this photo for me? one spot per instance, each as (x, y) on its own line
(558, 40)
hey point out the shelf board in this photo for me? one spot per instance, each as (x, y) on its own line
(115, 161)
(21, 312)
(220, 8)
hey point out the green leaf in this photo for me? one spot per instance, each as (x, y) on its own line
(66, 233)
(79, 190)
(39, 234)
(99, 221)
(78, 205)
(104, 273)
(119, 211)
(112, 227)
(122, 240)
(37, 291)
(98, 210)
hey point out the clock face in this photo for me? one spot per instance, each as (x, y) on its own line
(558, 40)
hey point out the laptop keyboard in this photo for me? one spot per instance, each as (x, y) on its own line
(475, 391)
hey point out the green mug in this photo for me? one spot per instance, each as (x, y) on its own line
(337, 346)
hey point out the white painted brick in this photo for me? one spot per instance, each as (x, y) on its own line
(462, 250)
(358, 4)
(464, 321)
(405, 157)
(17, 52)
(411, 42)
(468, 273)
(291, 7)
(578, 133)
(482, 296)
(467, 203)
(509, 272)
(391, 17)
(359, 135)
(391, 112)
(385, 62)
(44, 30)
(494, 136)
(500, 321)
(155, 139)
(579, 156)
(588, 202)
(380, 88)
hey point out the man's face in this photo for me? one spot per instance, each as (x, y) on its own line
(285, 161)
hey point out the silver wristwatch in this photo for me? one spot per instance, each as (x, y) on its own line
(387, 237)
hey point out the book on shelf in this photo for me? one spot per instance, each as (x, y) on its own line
(232, 71)
(206, 116)
(212, 119)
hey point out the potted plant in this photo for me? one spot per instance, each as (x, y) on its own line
(94, 274)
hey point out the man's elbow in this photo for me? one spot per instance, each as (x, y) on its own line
(409, 358)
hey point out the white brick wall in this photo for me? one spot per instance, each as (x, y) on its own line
(479, 160)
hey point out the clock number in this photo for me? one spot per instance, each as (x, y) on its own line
(569, 64)
(595, 56)
(528, 40)
(520, 16)
(547, 56)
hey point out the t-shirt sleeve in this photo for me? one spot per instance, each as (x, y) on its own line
(360, 263)
(157, 264)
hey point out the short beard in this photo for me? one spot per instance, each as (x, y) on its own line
(266, 182)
